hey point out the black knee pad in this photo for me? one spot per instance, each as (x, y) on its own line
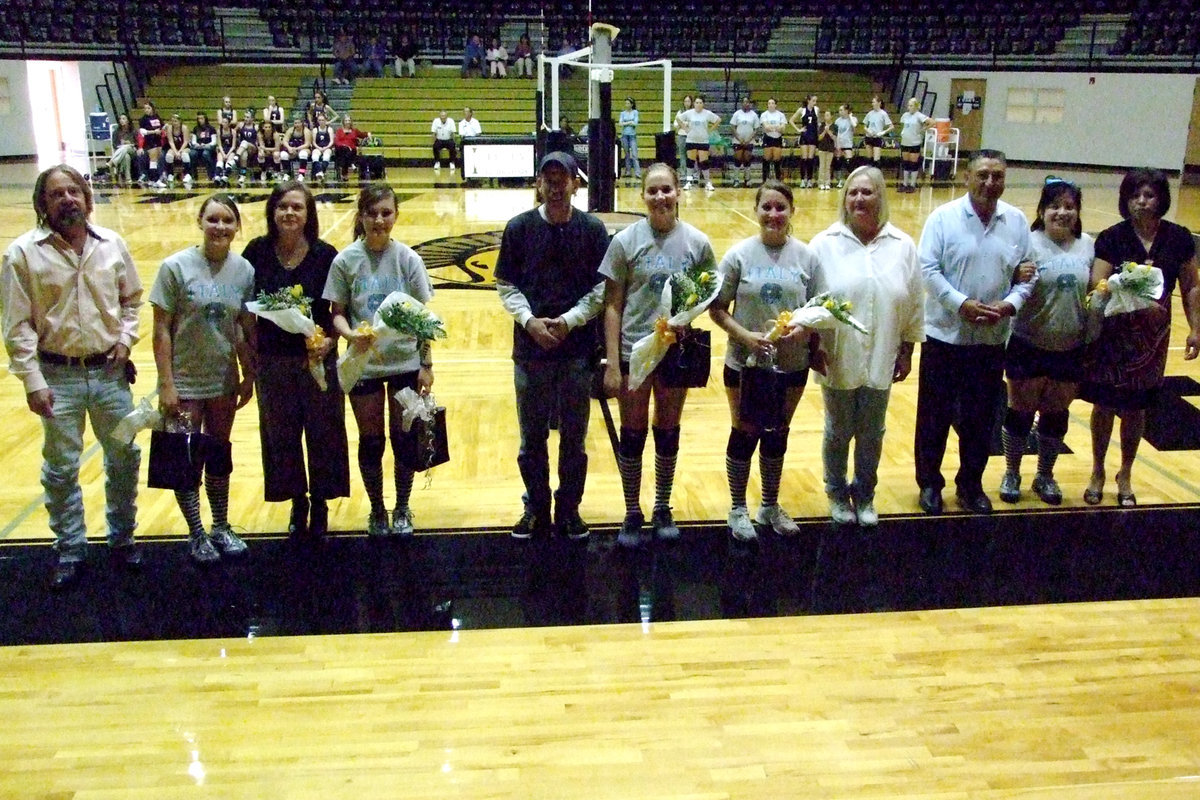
(1018, 423)
(1053, 424)
(218, 458)
(666, 441)
(370, 449)
(775, 443)
(632, 443)
(741, 445)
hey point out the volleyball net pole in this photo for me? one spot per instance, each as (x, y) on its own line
(597, 58)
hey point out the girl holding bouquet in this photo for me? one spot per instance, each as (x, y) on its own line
(201, 333)
(765, 276)
(1045, 351)
(872, 264)
(639, 262)
(1129, 359)
(362, 275)
(299, 422)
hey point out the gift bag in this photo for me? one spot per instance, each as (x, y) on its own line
(177, 459)
(688, 362)
(762, 398)
(424, 445)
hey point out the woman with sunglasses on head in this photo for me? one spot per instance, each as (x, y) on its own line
(1130, 357)
(202, 332)
(1045, 351)
(300, 423)
(765, 275)
(363, 274)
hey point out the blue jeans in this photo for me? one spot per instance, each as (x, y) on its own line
(545, 389)
(629, 146)
(79, 393)
(857, 414)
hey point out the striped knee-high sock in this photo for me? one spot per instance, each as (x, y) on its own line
(189, 504)
(629, 464)
(370, 465)
(217, 489)
(771, 470)
(666, 452)
(738, 473)
(1014, 448)
(1048, 449)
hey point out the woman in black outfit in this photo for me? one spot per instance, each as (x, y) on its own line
(296, 418)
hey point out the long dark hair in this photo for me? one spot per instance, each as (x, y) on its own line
(312, 229)
(1137, 178)
(367, 197)
(1053, 190)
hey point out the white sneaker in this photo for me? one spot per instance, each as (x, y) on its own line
(842, 512)
(241, 180)
(437, 166)
(158, 184)
(866, 514)
(687, 184)
(187, 180)
(778, 519)
(740, 525)
(452, 167)
(708, 187)
(300, 177)
(171, 178)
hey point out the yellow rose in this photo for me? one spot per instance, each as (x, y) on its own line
(297, 291)
(847, 305)
(829, 304)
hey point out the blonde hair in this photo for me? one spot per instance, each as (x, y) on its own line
(877, 183)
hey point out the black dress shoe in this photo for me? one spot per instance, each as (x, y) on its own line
(318, 521)
(974, 502)
(128, 555)
(298, 522)
(65, 575)
(931, 500)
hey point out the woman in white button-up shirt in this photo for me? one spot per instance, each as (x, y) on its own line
(873, 264)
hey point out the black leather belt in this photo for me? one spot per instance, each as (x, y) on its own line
(97, 360)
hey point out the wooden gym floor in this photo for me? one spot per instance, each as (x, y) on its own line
(1070, 701)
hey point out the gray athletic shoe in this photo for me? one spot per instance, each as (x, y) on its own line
(228, 542)
(402, 522)
(1010, 487)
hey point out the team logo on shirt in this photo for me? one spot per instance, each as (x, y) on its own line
(771, 293)
(216, 312)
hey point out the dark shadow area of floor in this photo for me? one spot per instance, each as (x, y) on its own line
(350, 584)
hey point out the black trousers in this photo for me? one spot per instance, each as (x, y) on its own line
(958, 387)
(445, 144)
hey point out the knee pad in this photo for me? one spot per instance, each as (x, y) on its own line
(1053, 424)
(666, 441)
(370, 448)
(775, 443)
(218, 458)
(632, 443)
(741, 445)
(1018, 423)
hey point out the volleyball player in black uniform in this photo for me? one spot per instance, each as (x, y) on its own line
(809, 117)
(227, 158)
(322, 147)
(150, 127)
(247, 147)
(268, 151)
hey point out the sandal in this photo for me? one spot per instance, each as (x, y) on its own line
(1127, 500)
(1093, 496)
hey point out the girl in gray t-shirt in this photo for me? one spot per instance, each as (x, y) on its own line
(201, 334)
(765, 276)
(362, 275)
(639, 261)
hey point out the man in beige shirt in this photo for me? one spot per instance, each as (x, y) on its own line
(71, 295)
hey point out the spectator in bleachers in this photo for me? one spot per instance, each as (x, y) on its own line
(523, 58)
(176, 138)
(124, 147)
(443, 129)
(227, 156)
(344, 53)
(406, 56)
(296, 149)
(474, 57)
(745, 126)
(273, 114)
(346, 140)
(203, 146)
(373, 57)
(150, 128)
(497, 59)
(772, 121)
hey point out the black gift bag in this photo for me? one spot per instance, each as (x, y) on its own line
(763, 397)
(688, 362)
(177, 459)
(424, 445)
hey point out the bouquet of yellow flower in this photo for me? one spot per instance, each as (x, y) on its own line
(399, 326)
(1132, 288)
(824, 311)
(685, 296)
(291, 310)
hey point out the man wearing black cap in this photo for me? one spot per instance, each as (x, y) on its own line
(548, 280)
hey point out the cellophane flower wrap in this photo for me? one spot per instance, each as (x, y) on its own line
(826, 312)
(291, 310)
(1133, 288)
(685, 296)
(143, 417)
(400, 316)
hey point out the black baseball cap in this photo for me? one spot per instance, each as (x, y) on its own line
(564, 160)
